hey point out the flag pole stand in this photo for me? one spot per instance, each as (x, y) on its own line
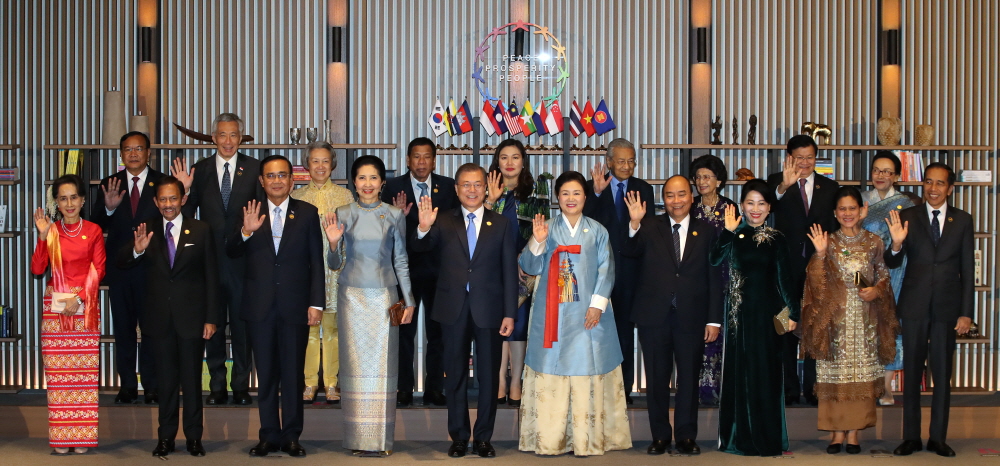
(567, 142)
(475, 140)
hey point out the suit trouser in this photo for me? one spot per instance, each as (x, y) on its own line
(423, 291)
(330, 349)
(923, 338)
(231, 278)
(661, 348)
(279, 350)
(128, 295)
(489, 345)
(179, 361)
(621, 304)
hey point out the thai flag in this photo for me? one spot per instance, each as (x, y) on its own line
(575, 120)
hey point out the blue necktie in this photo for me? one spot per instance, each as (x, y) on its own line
(276, 227)
(677, 255)
(470, 233)
(423, 190)
(936, 227)
(227, 187)
(171, 247)
(620, 201)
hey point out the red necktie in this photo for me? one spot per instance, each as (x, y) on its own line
(134, 195)
(551, 333)
(802, 191)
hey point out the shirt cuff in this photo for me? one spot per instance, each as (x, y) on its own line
(893, 252)
(421, 234)
(535, 247)
(778, 195)
(109, 211)
(135, 255)
(316, 308)
(714, 325)
(632, 232)
(245, 237)
(599, 302)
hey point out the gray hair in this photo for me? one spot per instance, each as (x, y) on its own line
(227, 117)
(316, 145)
(619, 142)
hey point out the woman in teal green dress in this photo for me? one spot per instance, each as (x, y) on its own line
(752, 404)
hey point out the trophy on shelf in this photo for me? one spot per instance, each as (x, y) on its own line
(311, 134)
(295, 134)
(819, 132)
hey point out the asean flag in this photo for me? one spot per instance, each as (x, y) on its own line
(588, 119)
(554, 119)
(602, 119)
(498, 117)
(575, 120)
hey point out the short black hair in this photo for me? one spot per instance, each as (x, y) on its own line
(168, 181)
(81, 187)
(470, 167)
(951, 173)
(145, 137)
(272, 158)
(887, 154)
(800, 141)
(714, 164)
(421, 141)
(759, 186)
(848, 191)
(368, 160)
(572, 176)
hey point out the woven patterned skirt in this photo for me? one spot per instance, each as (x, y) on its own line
(72, 365)
(369, 356)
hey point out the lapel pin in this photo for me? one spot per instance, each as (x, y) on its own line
(951, 219)
(150, 183)
(291, 215)
(239, 173)
(585, 230)
(899, 207)
(817, 187)
(84, 236)
(381, 217)
(741, 235)
(694, 233)
(187, 232)
(716, 213)
(489, 224)
(435, 190)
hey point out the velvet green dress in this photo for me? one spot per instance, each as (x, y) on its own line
(752, 403)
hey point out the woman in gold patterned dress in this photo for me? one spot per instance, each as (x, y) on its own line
(850, 329)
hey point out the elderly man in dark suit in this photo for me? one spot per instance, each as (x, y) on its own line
(612, 182)
(178, 253)
(284, 293)
(935, 301)
(476, 299)
(402, 191)
(804, 198)
(218, 188)
(677, 308)
(127, 200)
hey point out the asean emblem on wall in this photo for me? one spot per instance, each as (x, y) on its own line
(546, 67)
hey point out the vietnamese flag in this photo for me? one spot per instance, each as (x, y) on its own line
(588, 119)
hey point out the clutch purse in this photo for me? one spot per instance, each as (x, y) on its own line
(396, 313)
(58, 306)
(781, 322)
(859, 281)
(525, 289)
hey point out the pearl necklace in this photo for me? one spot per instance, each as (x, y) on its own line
(74, 233)
(369, 209)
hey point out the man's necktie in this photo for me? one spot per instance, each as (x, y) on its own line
(470, 233)
(805, 198)
(276, 227)
(620, 202)
(171, 247)
(133, 196)
(227, 187)
(935, 227)
(677, 254)
(423, 190)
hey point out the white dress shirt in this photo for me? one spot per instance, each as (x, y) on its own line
(220, 168)
(128, 187)
(175, 231)
(941, 215)
(810, 182)
(416, 189)
(536, 248)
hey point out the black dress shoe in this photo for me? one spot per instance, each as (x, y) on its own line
(940, 448)
(458, 448)
(164, 447)
(628, 400)
(151, 398)
(126, 396)
(404, 399)
(688, 447)
(658, 447)
(852, 449)
(435, 397)
(811, 400)
(502, 400)
(484, 449)
(195, 448)
(513, 403)
(263, 448)
(834, 448)
(791, 400)
(217, 398)
(908, 447)
(242, 397)
(293, 449)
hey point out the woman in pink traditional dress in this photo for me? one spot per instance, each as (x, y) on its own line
(74, 248)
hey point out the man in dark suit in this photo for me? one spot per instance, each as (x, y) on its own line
(284, 293)
(125, 203)
(611, 182)
(402, 191)
(178, 254)
(935, 301)
(218, 188)
(804, 198)
(677, 308)
(476, 299)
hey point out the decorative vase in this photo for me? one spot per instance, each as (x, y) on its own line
(139, 123)
(889, 131)
(328, 127)
(114, 117)
(923, 135)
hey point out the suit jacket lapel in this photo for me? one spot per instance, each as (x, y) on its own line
(412, 196)
(181, 238)
(668, 231)
(461, 231)
(213, 189)
(485, 228)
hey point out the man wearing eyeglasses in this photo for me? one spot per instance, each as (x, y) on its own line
(804, 198)
(611, 183)
(126, 202)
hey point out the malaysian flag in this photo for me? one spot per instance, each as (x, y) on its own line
(513, 119)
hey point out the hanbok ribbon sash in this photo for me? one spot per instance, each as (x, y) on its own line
(552, 297)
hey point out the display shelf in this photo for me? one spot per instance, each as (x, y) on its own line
(10, 389)
(10, 182)
(972, 341)
(984, 288)
(983, 234)
(10, 146)
(820, 147)
(13, 339)
(10, 234)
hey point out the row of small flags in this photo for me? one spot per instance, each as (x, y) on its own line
(526, 120)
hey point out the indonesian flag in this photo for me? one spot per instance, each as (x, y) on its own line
(588, 119)
(436, 120)
(465, 117)
(527, 124)
(575, 120)
(602, 119)
(513, 119)
(486, 119)
(539, 118)
(554, 120)
(498, 118)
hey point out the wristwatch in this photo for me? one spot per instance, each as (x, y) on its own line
(79, 301)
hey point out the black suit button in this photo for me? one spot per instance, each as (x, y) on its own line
(678, 275)
(470, 270)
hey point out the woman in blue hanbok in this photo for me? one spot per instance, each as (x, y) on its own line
(574, 398)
